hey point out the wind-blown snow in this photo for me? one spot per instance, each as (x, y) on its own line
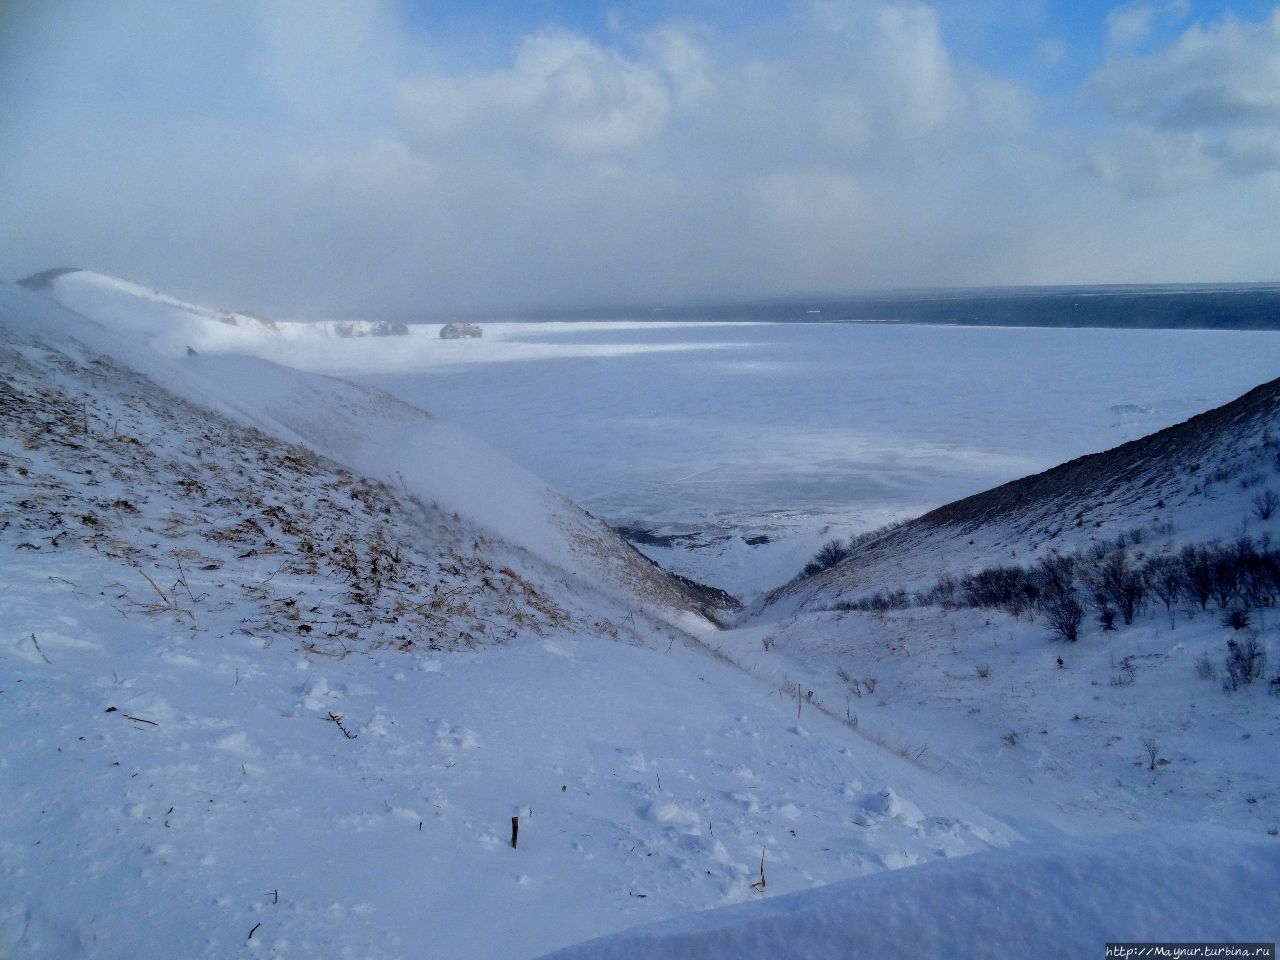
(362, 428)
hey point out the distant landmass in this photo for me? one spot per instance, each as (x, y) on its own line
(1176, 307)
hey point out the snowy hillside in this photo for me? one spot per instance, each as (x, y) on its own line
(1196, 481)
(1059, 900)
(945, 639)
(284, 657)
(254, 700)
(171, 325)
(363, 429)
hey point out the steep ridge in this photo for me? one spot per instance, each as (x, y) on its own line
(181, 509)
(171, 324)
(365, 430)
(1194, 481)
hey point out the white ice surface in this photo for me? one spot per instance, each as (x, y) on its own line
(803, 431)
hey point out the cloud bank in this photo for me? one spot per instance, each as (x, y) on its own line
(348, 158)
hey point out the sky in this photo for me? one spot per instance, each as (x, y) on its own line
(413, 159)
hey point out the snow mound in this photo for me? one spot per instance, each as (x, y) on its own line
(1064, 899)
(886, 804)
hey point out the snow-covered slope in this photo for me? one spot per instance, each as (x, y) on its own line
(254, 701)
(367, 431)
(1192, 482)
(171, 325)
(1138, 721)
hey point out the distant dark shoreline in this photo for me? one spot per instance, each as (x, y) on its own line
(1185, 307)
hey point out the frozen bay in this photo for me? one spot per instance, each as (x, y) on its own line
(720, 433)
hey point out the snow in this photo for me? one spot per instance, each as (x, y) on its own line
(912, 681)
(284, 655)
(720, 433)
(1064, 899)
(801, 432)
(175, 774)
(120, 835)
(172, 326)
(368, 431)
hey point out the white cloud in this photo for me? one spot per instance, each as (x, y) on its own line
(1246, 152)
(886, 67)
(1153, 162)
(1202, 108)
(1225, 74)
(562, 92)
(1132, 24)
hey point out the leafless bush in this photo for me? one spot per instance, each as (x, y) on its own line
(1205, 668)
(1236, 618)
(1124, 673)
(830, 554)
(1064, 613)
(1265, 503)
(1117, 584)
(1164, 577)
(1245, 663)
(1153, 751)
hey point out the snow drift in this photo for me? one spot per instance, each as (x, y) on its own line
(1065, 899)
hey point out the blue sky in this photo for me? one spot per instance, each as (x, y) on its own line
(389, 155)
(1004, 37)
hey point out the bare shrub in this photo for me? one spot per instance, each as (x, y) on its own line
(1124, 673)
(1197, 571)
(1064, 613)
(1117, 584)
(1245, 663)
(1165, 579)
(1236, 618)
(1152, 750)
(1265, 503)
(1205, 668)
(828, 555)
